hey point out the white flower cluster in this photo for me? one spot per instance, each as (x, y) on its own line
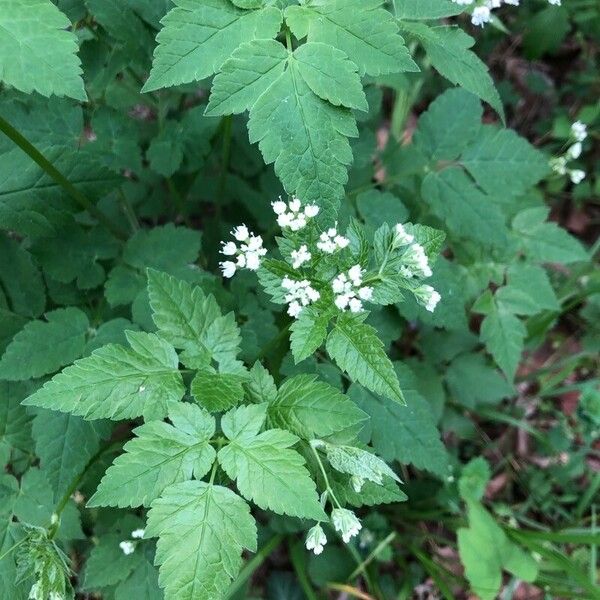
(560, 164)
(128, 546)
(291, 214)
(300, 294)
(428, 297)
(300, 256)
(248, 254)
(416, 263)
(330, 241)
(349, 291)
(482, 12)
(343, 520)
(402, 237)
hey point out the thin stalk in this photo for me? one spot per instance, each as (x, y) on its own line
(129, 212)
(300, 569)
(373, 555)
(252, 565)
(59, 178)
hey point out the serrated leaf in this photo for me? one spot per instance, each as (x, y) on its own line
(467, 211)
(528, 291)
(142, 582)
(449, 51)
(37, 52)
(330, 75)
(404, 433)
(65, 443)
(116, 382)
(199, 35)
(362, 29)
(309, 331)
(159, 456)
(244, 422)
(202, 530)
(313, 409)
(443, 139)
(426, 9)
(359, 463)
(359, 352)
(545, 241)
(303, 135)
(43, 347)
(271, 474)
(217, 392)
(15, 422)
(499, 159)
(260, 386)
(503, 335)
(485, 550)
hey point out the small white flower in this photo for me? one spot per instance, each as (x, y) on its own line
(339, 284)
(355, 273)
(240, 233)
(480, 16)
(579, 131)
(357, 483)
(127, 546)
(138, 534)
(330, 241)
(577, 176)
(285, 220)
(311, 210)
(574, 151)
(355, 305)
(241, 261)
(295, 205)
(316, 539)
(229, 249)
(228, 268)
(300, 256)
(294, 309)
(403, 238)
(342, 301)
(428, 296)
(346, 523)
(279, 207)
(365, 293)
(416, 260)
(559, 165)
(463, 2)
(252, 261)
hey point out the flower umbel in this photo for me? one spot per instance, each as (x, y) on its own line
(291, 214)
(300, 256)
(346, 523)
(428, 297)
(416, 261)
(300, 294)
(331, 240)
(349, 291)
(316, 539)
(247, 255)
(127, 546)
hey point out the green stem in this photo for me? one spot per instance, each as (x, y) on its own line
(322, 469)
(226, 152)
(59, 178)
(300, 569)
(252, 565)
(129, 212)
(373, 555)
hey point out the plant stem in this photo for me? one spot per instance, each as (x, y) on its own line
(300, 569)
(252, 565)
(129, 212)
(59, 178)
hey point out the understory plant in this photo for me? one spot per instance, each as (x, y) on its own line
(264, 332)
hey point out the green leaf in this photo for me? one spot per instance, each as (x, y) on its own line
(442, 139)
(302, 134)
(499, 159)
(330, 75)
(159, 456)
(362, 29)
(260, 386)
(15, 422)
(116, 382)
(545, 241)
(448, 48)
(217, 392)
(20, 279)
(404, 433)
(199, 35)
(65, 444)
(192, 321)
(503, 335)
(313, 409)
(43, 347)
(309, 331)
(426, 9)
(468, 212)
(202, 530)
(485, 551)
(270, 474)
(37, 53)
(377, 208)
(359, 352)
(473, 382)
(143, 583)
(528, 291)
(474, 479)
(358, 462)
